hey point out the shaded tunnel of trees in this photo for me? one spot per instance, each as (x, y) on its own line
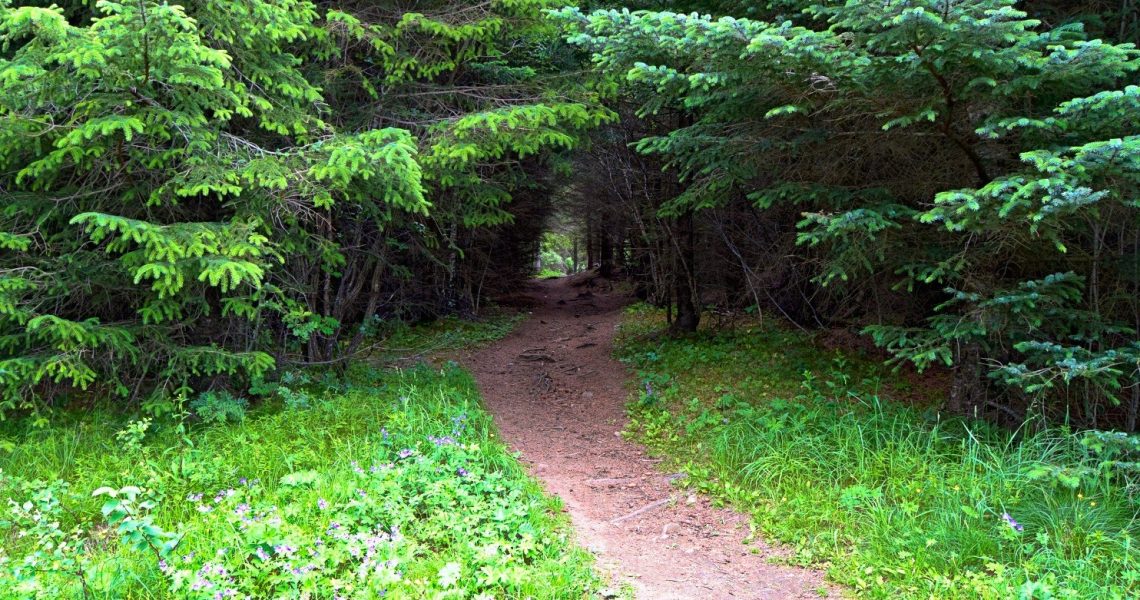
(191, 197)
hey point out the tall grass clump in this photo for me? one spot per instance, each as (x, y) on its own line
(896, 501)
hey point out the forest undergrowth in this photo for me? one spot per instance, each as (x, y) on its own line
(383, 482)
(893, 498)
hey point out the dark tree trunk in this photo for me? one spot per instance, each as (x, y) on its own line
(1133, 409)
(589, 242)
(574, 257)
(685, 290)
(967, 392)
(605, 251)
(619, 250)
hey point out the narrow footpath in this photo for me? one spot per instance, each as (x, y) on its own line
(558, 397)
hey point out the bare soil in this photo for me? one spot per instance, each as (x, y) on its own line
(558, 397)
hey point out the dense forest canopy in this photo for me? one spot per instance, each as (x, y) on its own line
(956, 179)
(197, 194)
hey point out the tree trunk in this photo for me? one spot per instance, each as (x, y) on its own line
(605, 251)
(573, 257)
(619, 250)
(451, 292)
(589, 242)
(688, 312)
(1133, 409)
(967, 394)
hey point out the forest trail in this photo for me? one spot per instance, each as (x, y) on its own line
(558, 397)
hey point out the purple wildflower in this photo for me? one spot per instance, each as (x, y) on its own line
(461, 472)
(406, 452)
(322, 504)
(1011, 522)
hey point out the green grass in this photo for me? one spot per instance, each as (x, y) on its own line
(401, 342)
(896, 501)
(387, 483)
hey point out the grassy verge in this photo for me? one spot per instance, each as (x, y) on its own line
(895, 501)
(402, 342)
(383, 483)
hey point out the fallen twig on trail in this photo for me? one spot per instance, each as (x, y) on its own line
(642, 510)
(609, 481)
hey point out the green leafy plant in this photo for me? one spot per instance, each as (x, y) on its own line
(219, 406)
(126, 510)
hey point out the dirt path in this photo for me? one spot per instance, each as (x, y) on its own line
(558, 397)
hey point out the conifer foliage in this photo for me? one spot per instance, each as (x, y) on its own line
(962, 171)
(187, 201)
(195, 193)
